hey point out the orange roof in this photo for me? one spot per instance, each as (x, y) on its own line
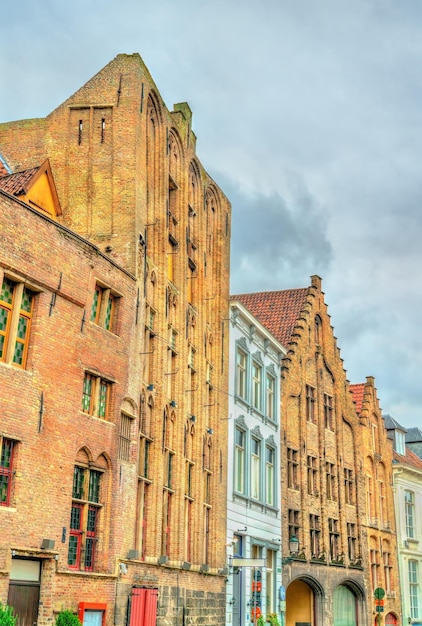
(16, 184)
(410, 458)
(358, 390)
(278, 311)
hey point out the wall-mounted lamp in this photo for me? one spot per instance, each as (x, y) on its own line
(293, 548)
(242, 530)
(150, 387)
(56, 557)
(232, 601)
(173, 403)
(13, 552)
(123, 568)
(210, 431)
(192, 418)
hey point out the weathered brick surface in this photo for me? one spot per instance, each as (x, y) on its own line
(113, 147)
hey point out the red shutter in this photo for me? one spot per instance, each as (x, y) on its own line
(143, 610)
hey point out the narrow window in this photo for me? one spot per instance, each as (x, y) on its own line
(292, 469)
(125, 437)
(256, 469)
(348, 486)
(351, 542)
(328, 412)
(84, 515)
(310, 404)
(96, 396)
(330, 481)
(409, 510)
(103, 310)
(315, 535)
(334, 536)
(6, 470)
(270, 396)
(312, 471)
(269, 475)
(241, 374)
(239, 461)
(256, 386)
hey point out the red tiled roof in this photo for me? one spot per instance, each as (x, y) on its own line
(410, 458)
(15, 184)
(358, 390)
(278, 311)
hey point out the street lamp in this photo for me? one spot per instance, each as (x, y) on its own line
(293, 549)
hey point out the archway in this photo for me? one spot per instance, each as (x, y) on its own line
(344, 607)
(302, 600)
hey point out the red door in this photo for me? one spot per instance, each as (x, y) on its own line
(143, 610)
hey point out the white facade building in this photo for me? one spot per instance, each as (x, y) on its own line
(254, 494)
(407, 485)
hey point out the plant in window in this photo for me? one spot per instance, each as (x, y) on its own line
(272, 618)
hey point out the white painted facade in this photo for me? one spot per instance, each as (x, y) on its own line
(254, 494)
(407, 481)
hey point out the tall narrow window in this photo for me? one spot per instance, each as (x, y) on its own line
(370, 499)
(330, 479)
(256, 468)
(241, 371)
(270, 397)
(386, 558)
(84, 518)
(312, 471)
(6, 470)
(256, 386)
(328, 412)
(351, 542)
(409, 511)
(144, 482)
(269, 475)
(315, 535)
(373, 554)
(348, 486)
(334, 535)
(292, 469)
(270, 569)
(310, 404)
(124, 437)
(239, 461)
(16, 305)
(413, 588)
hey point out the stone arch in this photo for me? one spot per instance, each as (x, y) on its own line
(84, 455)
(129, 406)
(175, 154)
(304, 600)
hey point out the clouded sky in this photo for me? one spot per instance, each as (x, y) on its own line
(308, 114)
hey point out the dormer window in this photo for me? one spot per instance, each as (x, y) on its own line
(400, 442)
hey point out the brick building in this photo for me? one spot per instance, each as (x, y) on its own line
(325, 565)
(378, 523)
(116, 502)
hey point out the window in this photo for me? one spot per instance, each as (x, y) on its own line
(124, 437)
(330, 479)
(269, 475)
(373, 555)
(239, 461)
(256, 468)
(16, 305)
(293, 516)
(96, 396)
(400, 441)
(241, 371)
(370, 499)
(6, 470)
(167, 503)
(348, 486)
(328, 412)
(351, 541)
(143, 494)
(269, 571)
(315, 535)
(413, 588)
(103, 311)
(270, 397)
(312, 472)
(292, 468)
(334, 535)
(310, 404)
(256, 386)
(84, 518)
(409, 511)
(383, 505)
(386, 558)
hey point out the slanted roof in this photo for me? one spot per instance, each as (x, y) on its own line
(35, 187)
(391, 424)
(18, 183)
(358, 391)
(278, 311)
(413, 435)
(410, 458)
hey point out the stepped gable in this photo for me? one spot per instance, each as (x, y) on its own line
(17, 184)
(410, 458)
(278, 311)
(358, 392)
